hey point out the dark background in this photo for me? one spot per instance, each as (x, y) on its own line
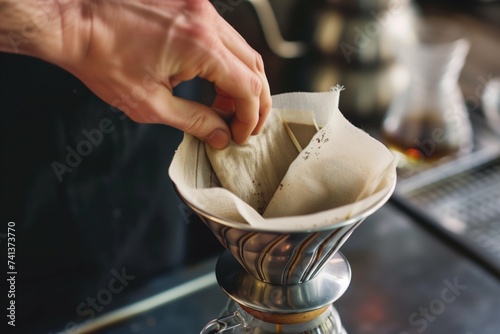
(117, 209)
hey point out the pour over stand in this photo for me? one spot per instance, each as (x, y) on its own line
(293, 305)
(282, 281)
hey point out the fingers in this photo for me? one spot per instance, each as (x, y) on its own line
(241, 84)
(236, 44)
(238, 72)
(224, 58)
(200, 121)
(223, 105)
(191, 117)
(240, 90)
(223, 102)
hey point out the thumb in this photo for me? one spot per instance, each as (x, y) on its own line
(199, 121)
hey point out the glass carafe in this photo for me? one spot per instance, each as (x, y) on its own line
(235, 320)
(429, 120)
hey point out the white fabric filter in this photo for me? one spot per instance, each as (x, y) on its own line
(266, 183)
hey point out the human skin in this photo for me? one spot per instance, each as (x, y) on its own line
(132, 53)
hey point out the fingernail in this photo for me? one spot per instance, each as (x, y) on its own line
(218, 139)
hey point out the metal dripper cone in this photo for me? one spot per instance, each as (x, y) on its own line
(283, 257)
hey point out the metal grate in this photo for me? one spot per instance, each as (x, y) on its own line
(466, 206)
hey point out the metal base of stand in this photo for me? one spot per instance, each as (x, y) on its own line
(322, 290)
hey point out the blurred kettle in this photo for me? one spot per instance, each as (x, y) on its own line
(341, 41)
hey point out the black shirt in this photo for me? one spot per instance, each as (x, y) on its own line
(88, 190)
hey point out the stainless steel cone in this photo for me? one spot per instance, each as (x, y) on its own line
(283, 257)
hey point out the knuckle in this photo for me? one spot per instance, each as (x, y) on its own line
(195, 5)
(196, 124)
(199, 35)
(188, 25)
(255, 84)
(198, 41)
(195, 31)
(259, 62)
(265, 105)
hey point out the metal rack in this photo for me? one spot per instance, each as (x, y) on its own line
(460, 198)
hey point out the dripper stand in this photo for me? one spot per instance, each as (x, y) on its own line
(282, 281)
(295, 308)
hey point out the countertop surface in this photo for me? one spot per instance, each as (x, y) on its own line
(405, 281)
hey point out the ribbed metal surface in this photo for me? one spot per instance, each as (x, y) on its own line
(284, 257)
(278, 258)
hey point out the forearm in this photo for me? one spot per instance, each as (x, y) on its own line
(33, 27)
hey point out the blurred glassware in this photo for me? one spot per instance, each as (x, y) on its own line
(491, 104)
(429, 120)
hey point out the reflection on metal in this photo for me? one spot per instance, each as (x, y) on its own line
(148, 304)
(248, 291)
(225, 323)
(282, 274)
(282, 258)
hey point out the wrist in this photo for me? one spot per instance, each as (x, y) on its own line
(36, 27)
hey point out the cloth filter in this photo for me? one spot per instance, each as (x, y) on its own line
(267, 183)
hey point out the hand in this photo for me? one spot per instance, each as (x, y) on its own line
(131, 53)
